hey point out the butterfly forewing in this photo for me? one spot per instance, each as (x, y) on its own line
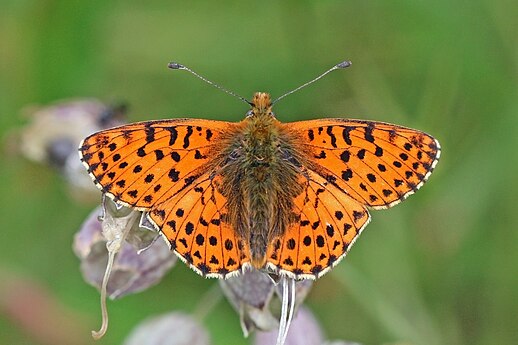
(144, 163)
(378, 164)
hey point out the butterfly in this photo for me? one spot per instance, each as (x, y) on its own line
(287, 198)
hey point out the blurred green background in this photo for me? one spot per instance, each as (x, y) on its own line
(442, 268)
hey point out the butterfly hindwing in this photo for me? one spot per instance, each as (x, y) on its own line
(328, 223)
(376, 163)
(194, 224)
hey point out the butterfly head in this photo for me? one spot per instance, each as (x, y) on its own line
(261, 105)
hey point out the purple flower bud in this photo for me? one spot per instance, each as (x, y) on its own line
(132, 271)
(168, 329)
(250, 294)
(55, 131)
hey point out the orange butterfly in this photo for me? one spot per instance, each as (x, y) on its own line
(288, 198)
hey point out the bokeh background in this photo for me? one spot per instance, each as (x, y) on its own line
(442, 268)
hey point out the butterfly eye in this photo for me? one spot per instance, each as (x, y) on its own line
(250, 113)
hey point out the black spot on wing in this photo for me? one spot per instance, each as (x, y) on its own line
(174, 175)
(228, 244)
(87, 156)
(186, 142)
(150, 133)
(330, 133)
(368, 133)
(321, 155)
(346, 135)
(133, 193)
(93, 167)
(345, 156)
(159, 155)
(189, 228)
(347, 174)
(288, 261)
(208, 134)
(175, 156)
(371, 177)
(387, 192)
(311, 135)
(358, 215)
(173, 135)
(330, 230)
(198, 155)
(213, 260)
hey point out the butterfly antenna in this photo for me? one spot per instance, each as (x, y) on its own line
(175, 65)
(341, 65)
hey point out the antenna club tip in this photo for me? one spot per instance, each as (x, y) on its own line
(175, 65)
(344, 64)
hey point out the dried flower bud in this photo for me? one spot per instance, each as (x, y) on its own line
(132, 271)
(250, 294)
(125, 271)
(168, 329)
